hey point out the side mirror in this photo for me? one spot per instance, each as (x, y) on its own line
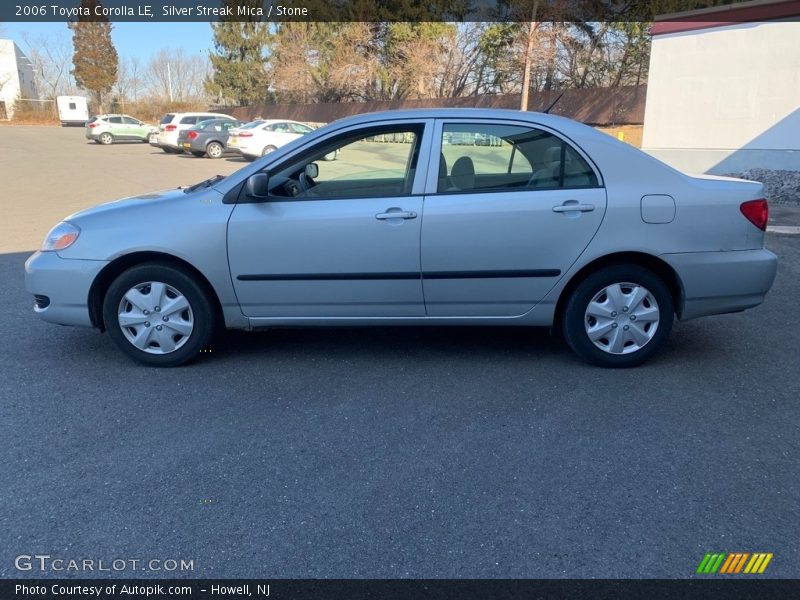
(312, 170)
(257, 186)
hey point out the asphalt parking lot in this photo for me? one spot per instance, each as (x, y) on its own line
(383, 452)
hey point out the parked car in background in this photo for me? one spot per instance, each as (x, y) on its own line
(560, 226)
(233, 134)
(107, 129)
(172, 124)
(266, 136)
(207, 138)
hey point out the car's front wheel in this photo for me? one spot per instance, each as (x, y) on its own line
(267, 150)
(158, 314)
(618, 316)
(106, 138)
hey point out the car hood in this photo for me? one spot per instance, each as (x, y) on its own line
(136, 203)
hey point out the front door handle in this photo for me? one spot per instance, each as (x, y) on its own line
(574, 207)
(396, 213)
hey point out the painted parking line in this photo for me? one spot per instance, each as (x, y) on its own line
(786, 229)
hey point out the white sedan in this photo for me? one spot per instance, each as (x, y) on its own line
(263, 136)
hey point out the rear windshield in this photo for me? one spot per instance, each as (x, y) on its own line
(93, 119)
(252, 124)
(167, 119)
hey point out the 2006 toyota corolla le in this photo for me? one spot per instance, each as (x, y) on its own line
(436, 217)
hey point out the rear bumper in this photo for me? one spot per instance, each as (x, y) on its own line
(65, 283)
(722, 282)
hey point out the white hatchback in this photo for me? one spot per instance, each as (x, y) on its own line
(262, 136)
(173, 123)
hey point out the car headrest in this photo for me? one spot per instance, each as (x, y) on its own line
(463, 173)
(552, 155)
(442, 166)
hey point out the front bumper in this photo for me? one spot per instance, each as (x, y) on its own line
(65, 282)
(723, 282)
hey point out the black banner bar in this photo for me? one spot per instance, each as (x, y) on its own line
(277, 11)
(402, 589)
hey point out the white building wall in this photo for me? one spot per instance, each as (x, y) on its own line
(16, 76)
(725, 99)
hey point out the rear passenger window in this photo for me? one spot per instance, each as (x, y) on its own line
(115, 120)
(188, 120)
(477, 157)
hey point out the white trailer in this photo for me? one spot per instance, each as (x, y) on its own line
(72, 110)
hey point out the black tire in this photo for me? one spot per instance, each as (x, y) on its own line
(198, 154)
(574, 318)
(268, 149)
(106, 139)
(215, 150)
(171, 150)
(200, 305)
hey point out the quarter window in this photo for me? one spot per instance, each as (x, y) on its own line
(478, 157)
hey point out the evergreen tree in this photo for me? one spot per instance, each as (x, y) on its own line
(238, 60)
(95, 59)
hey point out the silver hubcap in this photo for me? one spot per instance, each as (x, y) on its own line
(622, 318)
(214, 150)
(155, 317)
(105, 138)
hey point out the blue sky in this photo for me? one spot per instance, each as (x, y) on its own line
(131, 39)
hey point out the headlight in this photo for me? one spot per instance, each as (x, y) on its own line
(61, 236)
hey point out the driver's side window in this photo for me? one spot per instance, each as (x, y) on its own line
(374, 163)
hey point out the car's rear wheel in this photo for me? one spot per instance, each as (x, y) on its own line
(214, 150)
(169, 150)
(106, 138)
(618, 316)
(267, 150)
(158, 314)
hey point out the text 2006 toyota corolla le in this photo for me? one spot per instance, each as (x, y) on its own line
(436, 217)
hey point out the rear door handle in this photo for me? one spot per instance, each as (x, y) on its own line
(573, 208)
(396, 213)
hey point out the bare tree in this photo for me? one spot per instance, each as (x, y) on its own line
(51, 57)
(130, 80)
(175, 75)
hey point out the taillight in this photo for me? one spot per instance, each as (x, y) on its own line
(191, 135)
(92, 125)
(757, 212)
(245, 134)
(170, 128)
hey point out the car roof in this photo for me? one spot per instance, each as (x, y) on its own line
(561, 123)
(272, 121)
(195, 113)
(215, 119)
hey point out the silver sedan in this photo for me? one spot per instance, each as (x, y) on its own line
(530, 219)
